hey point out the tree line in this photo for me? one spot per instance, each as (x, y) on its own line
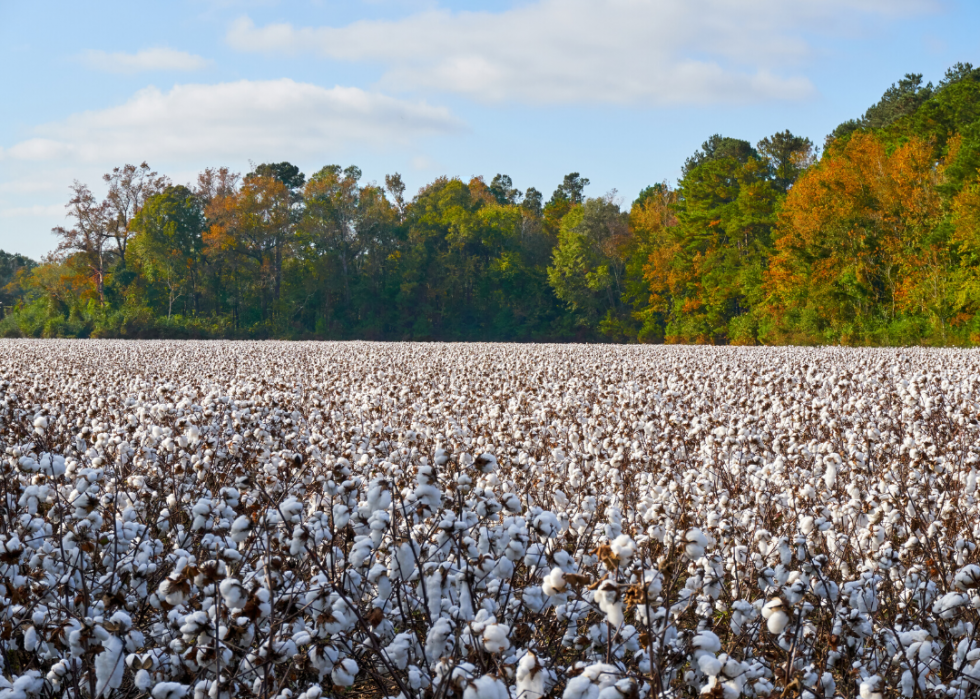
(873, 238)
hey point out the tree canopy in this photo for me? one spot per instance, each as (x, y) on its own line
(874, 240)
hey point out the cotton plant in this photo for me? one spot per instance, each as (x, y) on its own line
(291, 519)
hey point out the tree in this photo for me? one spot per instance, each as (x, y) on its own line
(787, 156)
(719, 147)
(587, 266)
(854, 246)
(12, 268)
(502, 188)
(901, 99)
(89, 236)
(254, 223)
(571, 189)
(532, 201)
(129, 189)
(169, 240)
(286, 173)
(330, 221)
(396, 188)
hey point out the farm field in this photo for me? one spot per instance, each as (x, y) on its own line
(303, 520)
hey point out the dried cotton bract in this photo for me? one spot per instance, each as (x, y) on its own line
(217, 520)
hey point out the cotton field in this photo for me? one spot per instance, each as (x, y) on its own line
(289, 520)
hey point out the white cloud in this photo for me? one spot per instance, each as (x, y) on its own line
(245, 119)
(661, 52)
(32, 211)
(147, 59)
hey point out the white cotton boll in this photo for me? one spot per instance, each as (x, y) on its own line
(109, 665)
(869, 687)
(30, 639)
(143, 680)
(170, 690)
(554, 582)
(240, 528)
(806, 525)
(967, 577)
(830, 475)
(593, 680)
(608, 599)
(707, 641)
(709, 664)
(623, 548)
(776, 618)
(530, 677)
(344, 672)
(495, 638)
(777, 622)
(908, 684)
(546, 525)
(233, 593)
(971, 482)
(486, 463)
(696, 543)
(486, 687)
(440, 634)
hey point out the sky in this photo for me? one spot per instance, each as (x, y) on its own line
(621, 91)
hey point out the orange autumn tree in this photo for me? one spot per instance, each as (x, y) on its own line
(652, 282)
(859, 255)
(251, 230)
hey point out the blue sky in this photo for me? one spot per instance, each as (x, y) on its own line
(620, 91)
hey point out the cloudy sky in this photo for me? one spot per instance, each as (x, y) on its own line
(618, 90)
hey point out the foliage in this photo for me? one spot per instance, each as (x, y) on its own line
(872, 241)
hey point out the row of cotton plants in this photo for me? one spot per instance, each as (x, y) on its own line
(218, 520)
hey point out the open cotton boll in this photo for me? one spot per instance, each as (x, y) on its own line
(344, 672)
(593, 680)
(868, 688)
(696, 543)
(531, 677)
(709, 664)
(623, 548)
(775, 616)
(170, 690)
(486, 687)
(707, 641)
(554, 582)
(608, 598)
(495, 638)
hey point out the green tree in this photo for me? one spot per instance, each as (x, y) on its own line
(719, 147)
(587, 266)
(169, 241)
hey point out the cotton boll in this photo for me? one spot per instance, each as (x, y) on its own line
(344, 672)
(868, 688)
(169, 690)
(608, 598)
(531, 677)
(709, 664)
(696, 543)
(495, 638)
(623, 548)
(830, 475)
(486, 687)
(776, 618)
(554, 582)
(707, 641)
